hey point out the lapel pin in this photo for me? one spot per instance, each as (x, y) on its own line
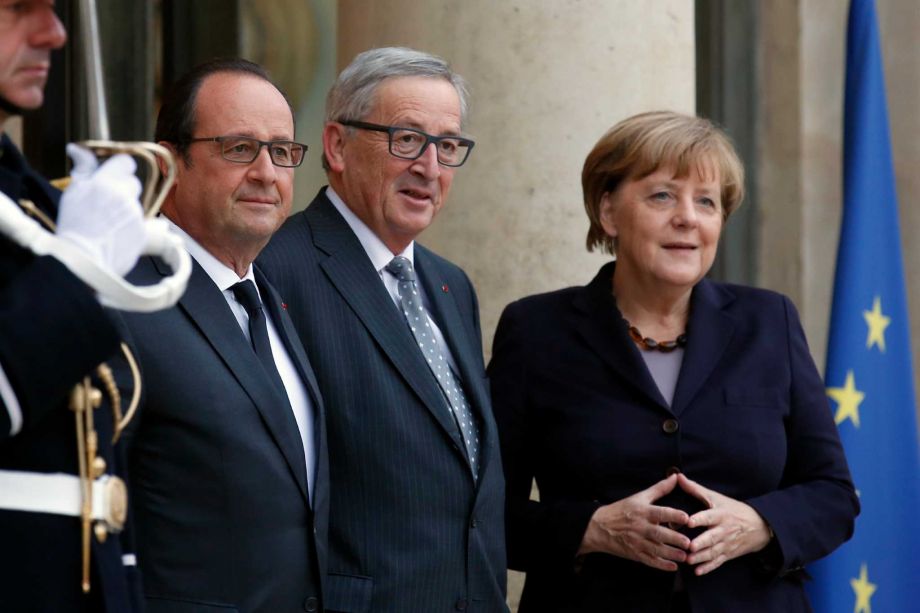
(284, 306)
(444, 288)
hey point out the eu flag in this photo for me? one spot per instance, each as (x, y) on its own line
(869, 376)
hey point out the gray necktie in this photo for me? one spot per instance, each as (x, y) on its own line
(411, 302)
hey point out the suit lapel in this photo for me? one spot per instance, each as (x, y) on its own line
(350, 271)
(601, 326)
(285, 328)
(708, 333)
(207, 308)
(295, 349)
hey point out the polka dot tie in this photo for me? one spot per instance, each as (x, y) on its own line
(411, 303)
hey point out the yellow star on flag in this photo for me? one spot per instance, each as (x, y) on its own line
(877, 323)
(847, 399)
(863, 590)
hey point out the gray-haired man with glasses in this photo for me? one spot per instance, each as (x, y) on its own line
(230, 488)
(393, 330)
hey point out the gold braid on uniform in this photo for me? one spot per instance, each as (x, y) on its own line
(108, 380)
(84, 400)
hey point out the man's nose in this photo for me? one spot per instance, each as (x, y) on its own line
(427, 164)
(48, 31)
(262, 168)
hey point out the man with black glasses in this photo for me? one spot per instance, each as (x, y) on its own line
(393, 331)
(229, 486)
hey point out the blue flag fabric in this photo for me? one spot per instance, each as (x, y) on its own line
(869, 376)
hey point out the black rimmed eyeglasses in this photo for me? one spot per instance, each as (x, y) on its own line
(245, 149)
(410, 144)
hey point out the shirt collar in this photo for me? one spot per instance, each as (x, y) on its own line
(378, 253)
(222, 275)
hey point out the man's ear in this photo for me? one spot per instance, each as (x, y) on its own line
(334, 146)
(606, 214)
(176, 156)
(167, 203)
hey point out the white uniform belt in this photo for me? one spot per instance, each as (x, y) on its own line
(62, 494)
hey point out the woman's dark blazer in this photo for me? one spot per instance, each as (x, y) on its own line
(578, 410)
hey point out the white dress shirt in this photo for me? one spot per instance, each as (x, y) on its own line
(225, 278)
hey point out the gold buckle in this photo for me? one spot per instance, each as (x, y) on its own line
(114, 507)
(116, 496)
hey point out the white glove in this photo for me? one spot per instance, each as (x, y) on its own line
(101, 212)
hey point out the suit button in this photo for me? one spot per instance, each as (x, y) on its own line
(311, 604)
(474, 523)
(461, 604)
(672, 470)
(670, 426)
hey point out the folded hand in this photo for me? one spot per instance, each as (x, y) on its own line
(637, 529)
(733, 528)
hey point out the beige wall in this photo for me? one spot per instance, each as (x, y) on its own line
(548, 78)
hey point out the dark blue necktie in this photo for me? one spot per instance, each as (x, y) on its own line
(246, 295)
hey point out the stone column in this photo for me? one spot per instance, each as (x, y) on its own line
(547, 79)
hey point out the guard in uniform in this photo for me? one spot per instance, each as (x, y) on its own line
(62, 506)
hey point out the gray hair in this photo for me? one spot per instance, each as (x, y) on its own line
(352, 95)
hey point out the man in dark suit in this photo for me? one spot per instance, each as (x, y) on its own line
(230, 479)
(416, 477)
(53, 333)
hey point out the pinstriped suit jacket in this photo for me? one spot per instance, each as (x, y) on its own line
(409, 529)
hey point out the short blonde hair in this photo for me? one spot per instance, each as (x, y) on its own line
(640, 145)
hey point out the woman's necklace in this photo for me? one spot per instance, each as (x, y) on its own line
(650, 344)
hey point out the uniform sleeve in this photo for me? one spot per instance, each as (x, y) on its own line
(813, 511)
(539, 534)
(52, 332)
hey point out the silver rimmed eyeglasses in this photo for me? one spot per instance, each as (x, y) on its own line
(410, 144)
(245, 149)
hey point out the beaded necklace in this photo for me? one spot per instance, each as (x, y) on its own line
(650, 344)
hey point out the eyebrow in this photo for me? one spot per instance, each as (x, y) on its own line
(252, 135)
(672, 182)
(417, 126)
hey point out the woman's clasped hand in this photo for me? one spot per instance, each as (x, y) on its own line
(638, 529)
